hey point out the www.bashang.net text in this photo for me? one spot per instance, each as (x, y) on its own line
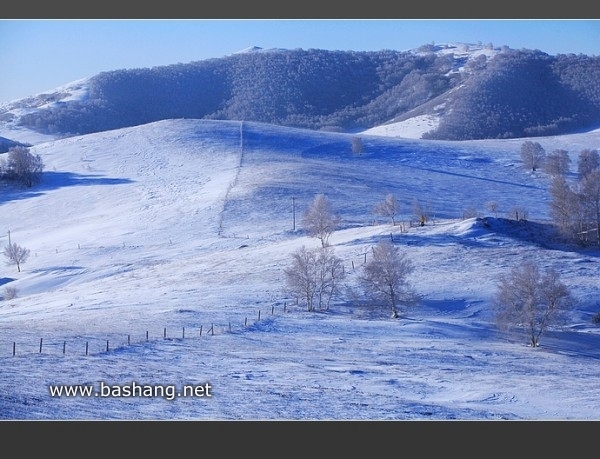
(168, 392)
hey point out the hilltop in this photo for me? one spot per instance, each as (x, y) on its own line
(456, 91)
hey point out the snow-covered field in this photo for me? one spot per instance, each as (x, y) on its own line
(157, 256)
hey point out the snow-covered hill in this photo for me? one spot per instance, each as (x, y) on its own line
(412, 126)
(159, 251)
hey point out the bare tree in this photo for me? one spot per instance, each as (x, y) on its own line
(357, 146)
(420, 212)
(587, 161)
(492, 206)
(575, 210)
(319, 219)
(385, 278)
(388, 208)
(330, 272)
(16, 254)
(469, 212)
(301, 276)
(10, 293)
(531, 301)
(532, 155)
(23, 166)
(564, 203)
(590, 198)
(314, 276)
(557, 163)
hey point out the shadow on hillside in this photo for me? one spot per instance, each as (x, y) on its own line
(489, 231)
(473, 177)
(55, 180)
(57, 269)
(5, 280)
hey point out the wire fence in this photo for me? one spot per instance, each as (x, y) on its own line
(94, 345)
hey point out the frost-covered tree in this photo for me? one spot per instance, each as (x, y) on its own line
(557, 163)
(420, 212)
(16, 255)
(319, 219)
(587, 161)
(330, 272)
(492, 206)
(564, 204)
(575, 209)
(301, 276)
(314, 276)
(385, 278)
(530, 300)
(590, 198)
(532, 155)
(23, 167)
(357, 145)
(388, 208)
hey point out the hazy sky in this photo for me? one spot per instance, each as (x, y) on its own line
(39, 55)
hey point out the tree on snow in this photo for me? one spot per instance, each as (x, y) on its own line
(314, 276)
(532, 155)
(16, 254)
(385, 278)
(557, 163)
(23, 166)
(388, 208)
(587, 161)
(530, 300)
(357, 145)
(319, 219)
(590, 196)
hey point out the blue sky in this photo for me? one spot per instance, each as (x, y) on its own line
(39, 55)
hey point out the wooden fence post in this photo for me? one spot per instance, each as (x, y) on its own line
(14, 347)
(41, 339)
(64, 346)
(165, 333)
(128, 340)
(106, 345)
(183, 332)
(146, 335)
(200, 330)
(86, 347)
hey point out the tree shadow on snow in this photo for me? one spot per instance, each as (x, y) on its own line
(55, 180)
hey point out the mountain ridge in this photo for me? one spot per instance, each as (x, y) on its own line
(469, 91)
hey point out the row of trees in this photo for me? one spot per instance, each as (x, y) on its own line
(574, 198)
(315, 275)
(528, 298)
